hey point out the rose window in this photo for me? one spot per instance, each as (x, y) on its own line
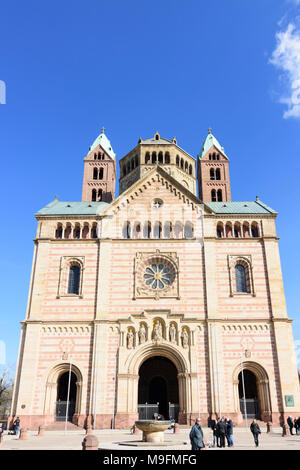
(158, 276)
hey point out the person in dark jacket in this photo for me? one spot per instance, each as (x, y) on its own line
(255, 429)
(17, 426)
(290, 423)
(229, 432)
(196, 436)
(221, 430)
(213, 427)
(297, 425)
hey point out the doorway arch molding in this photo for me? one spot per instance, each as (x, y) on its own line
(128, 375)
(262, 381)
(52, 376)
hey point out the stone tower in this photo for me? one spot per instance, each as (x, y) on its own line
(213, 171)
(162, 152)
(99, 178)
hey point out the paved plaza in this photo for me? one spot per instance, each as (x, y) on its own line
(111, 439)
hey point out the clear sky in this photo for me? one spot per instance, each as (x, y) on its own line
(69, 67)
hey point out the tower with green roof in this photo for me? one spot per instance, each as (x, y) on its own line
(99, 178)
(213, 171)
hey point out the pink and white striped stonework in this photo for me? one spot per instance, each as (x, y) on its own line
(155, 298)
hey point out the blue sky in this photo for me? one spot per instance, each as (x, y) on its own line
(136, 67)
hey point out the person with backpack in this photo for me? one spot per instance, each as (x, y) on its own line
(196, 436)
(255, 429)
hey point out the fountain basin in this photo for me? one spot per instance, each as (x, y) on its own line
(153, 430)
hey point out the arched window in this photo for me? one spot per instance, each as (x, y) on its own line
(128, 167)
(147, 157)
(167, 230)
(74, 280)
(136, 161)
(186, 167)
(124, 170)
(132, 164)
(94, 195)
(94, 231)
(178, 229)
(99, 194)
(181, 163)
(254, 230)
(213, 195)
(167, 158)
(147, 230)
(214, 156)
(160, 157)
(153, 157)
(190, 169)
(177, 160)
(218, 174)
(95, 156)
(220, 230)
(101, 174)
(157, 230)
(95, 173)
(210, 156)
(59, 232)
(136, 233)
(220, 195)
(99, 156)
(76, 232)
(188, 230)
(126, 230)
(240, 278)
(212, 174)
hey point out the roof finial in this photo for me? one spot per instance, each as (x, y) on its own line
(257, 198)
(102, 129)
(209, 130)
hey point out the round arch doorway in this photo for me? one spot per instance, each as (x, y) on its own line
(158, 388)
(249, 402)
(63, 405)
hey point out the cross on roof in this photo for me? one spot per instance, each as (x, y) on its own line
(209, 130)
(102, 129)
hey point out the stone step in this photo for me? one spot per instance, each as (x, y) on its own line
(60, 426)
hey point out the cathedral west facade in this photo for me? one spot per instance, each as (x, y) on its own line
(165, 299)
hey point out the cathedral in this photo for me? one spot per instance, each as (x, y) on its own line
(166, 299)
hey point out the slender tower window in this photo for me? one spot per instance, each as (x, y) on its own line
(74, 280)
(240, 278)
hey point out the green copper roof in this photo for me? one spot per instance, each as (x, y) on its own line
(72, 208)
(105, 144)
(240, 207)
(208, 143)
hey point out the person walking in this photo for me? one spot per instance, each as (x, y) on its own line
(229, 432)
(255, 429)
(221, 429)
(290, 424)
(17, 426)
(196, 436)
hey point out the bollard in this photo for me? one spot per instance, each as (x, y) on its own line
(23, 434)
(41, 430)
(284, 430)
(89, 430)
(90, 442)
(176, 429)
(269, 427)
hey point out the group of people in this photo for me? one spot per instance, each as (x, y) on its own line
(222, 429)
(294, 423)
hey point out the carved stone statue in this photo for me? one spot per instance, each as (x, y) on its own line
(157, 331)
(130, 337)
(185, 338)
(173, 333)
(142, 334)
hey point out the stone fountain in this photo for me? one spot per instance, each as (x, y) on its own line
(153, 430)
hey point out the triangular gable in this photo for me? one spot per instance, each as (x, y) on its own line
(211, 150)
(173, 185)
